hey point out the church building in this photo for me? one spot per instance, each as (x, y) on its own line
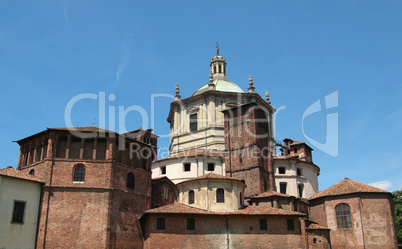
(222, 186)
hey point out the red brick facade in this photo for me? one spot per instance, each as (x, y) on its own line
(213, 231)
(247, 143)
(102, 209)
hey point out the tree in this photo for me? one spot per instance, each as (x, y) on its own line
(397, 199)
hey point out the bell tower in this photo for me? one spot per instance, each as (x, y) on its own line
(218, 66)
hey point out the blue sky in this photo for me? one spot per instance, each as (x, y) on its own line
(300, 51)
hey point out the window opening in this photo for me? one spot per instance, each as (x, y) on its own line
(79, 173)
(160, 223)
(220, 195)
(193, 122)
(191, 197)
(130, 180)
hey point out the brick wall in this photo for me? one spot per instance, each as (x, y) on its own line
(372, 220)
(211, 232)
(247, 142)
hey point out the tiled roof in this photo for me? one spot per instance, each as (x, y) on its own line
(347, 186)
(285, 157)
(195, 153)
(15, 173)
(270, 193)
(178, 208)
(211, 176)
(317, 227)
(86, 128)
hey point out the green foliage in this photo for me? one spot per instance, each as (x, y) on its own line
(398, 214)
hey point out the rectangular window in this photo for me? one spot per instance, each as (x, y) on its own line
(18, 213)
(211, 166)
(190, 224)
(282, 187)
(291, 225)
(163, 170)
(263, 224)
(160, 223)
(193, 122)
(187, 167)
(299, 172)
(282, 170)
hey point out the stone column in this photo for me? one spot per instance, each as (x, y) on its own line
(20, 160)
(95, 148)
(42, 156)
(68, 146)
(82, 148)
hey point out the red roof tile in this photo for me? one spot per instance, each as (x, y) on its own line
(86, 128)
(347, 186)
(271, 193)
(15, 173)
(178, 208)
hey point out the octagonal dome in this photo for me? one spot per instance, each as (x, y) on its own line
(221, 85)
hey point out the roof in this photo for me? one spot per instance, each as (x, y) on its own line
(347, 186)
(162, 178)
(271, 193)
(221, 85)
(15, 173)
(85, 128)
(178, 208)
(212, 176)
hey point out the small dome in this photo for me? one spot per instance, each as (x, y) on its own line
(221, 85)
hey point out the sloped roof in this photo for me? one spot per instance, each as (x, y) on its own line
(271, 193)
(15, 173)
(85, 128)
(178, 208)
(347, 186)
(212, 176)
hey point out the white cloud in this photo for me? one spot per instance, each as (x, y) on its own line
(384, 185)
(65, 4)
(125, 55)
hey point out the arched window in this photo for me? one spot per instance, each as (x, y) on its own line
(32, 172)
(220, 69)
(191, 197)
(214, 69)
(79, 173)
(220, 195)
(343, 217)
(241, 199)
(130, 180)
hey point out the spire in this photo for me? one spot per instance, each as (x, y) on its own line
(177, 96)
(250, 82)
(267, 97)
(211, 85)
(218, 66)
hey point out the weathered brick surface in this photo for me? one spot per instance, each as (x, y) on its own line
(247, 142)
(101, 211)
(164, 192)
(372, 220)
(212, 232)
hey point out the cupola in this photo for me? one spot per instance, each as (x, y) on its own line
(218, 66)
